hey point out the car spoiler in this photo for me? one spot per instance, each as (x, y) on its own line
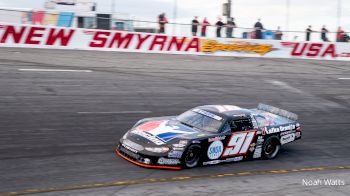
(277, 111)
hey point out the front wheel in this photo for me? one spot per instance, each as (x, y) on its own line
(191, 157)
(271, 147)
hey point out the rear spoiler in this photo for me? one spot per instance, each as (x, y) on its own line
(277, 111)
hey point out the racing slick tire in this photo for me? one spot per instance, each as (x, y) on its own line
(271, 147)
(192, 156)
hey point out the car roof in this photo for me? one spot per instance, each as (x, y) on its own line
(226, 111)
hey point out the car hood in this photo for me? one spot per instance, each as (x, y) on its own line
(161, 132)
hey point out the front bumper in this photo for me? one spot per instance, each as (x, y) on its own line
(137, 159)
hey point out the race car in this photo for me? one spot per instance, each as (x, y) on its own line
(208, 135)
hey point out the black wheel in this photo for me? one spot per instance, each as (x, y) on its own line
(271, 147)
(191, 157)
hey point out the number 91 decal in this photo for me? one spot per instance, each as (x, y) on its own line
(239, 143)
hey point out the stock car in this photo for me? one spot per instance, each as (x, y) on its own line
(208, 135)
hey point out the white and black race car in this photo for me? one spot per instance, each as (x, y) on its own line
(208, 135)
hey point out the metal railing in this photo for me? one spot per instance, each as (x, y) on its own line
(178, 29)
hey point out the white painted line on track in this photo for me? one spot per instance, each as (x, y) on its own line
(321, 103)
(285, 86)
(56, 70)
(119, 112)
(343, 78)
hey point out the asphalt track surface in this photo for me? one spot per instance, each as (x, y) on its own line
(58, 129)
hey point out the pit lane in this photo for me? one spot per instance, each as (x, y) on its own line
(58, 129)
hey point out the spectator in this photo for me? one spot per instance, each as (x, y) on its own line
(229, 27)
(340, 35)
(346, 38)
(162, 20)
(205, 23)
(308, 33)
(324, 32)
(278, 33)
(258, 27)
(219, 25)
(195, 24)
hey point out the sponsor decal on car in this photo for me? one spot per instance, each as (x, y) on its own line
(212, 162)
(205, 113)
(239, 143)
(278, 129)
(129, 152)
(175, 154)
(215, 150)
(129, 148)
(240, 158)
(179, 145)
(149, 137)
(287, 138)
(232, 159)
(163, 131)
(133, 145)
(196, 142)
(260, 140)
(217, 138)
(165, 161)
(287, 132)
(257, 152)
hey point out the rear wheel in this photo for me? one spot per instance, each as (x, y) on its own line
(271, 147)
(191, 157)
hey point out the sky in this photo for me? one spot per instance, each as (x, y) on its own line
(246, 12)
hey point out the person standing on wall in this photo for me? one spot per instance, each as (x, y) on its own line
(308, 33)
(229, 27)
(162, 20)
(340, 35)
(195, 24)
(324, 32)
(258, 28)
(278, 33)
(205, 23)
(219, 24)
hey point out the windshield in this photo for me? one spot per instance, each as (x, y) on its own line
(201, 120)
